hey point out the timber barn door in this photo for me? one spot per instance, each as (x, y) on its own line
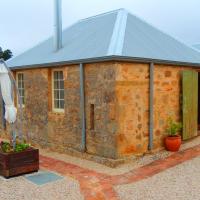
(190, 104)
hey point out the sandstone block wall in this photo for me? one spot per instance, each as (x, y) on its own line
(132, 93)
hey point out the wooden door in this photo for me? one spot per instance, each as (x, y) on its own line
(190, 104)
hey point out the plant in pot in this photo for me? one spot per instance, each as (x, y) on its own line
(18, 159)
(173, 140)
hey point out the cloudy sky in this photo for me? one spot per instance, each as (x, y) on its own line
(24, 23)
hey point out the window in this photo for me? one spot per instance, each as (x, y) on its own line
(58, 91)
(20, 85)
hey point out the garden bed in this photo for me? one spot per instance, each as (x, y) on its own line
(17, 163)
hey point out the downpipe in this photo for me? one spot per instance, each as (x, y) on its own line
(82, 108)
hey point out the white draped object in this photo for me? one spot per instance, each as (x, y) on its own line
(6, 91)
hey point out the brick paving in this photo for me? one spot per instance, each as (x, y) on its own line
(99, 186)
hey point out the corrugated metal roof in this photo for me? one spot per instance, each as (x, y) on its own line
(114, 34)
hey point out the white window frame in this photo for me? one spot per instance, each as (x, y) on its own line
(58, 110)
(17, 79)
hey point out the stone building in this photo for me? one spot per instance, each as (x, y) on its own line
(109, 89)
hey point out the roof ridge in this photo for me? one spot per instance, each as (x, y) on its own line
(101, 14)
(117, 39)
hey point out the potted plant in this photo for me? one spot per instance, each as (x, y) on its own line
(173, 140)
(18, 160)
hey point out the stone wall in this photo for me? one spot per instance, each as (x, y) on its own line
(167, 99)
(132, 93)
(61, 131)
(41, 125)
(116, 104)
(100, 92)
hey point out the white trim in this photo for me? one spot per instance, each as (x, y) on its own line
(117, 39)
(23, 104)
(57, 110)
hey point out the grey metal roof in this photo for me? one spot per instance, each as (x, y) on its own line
(114, 35)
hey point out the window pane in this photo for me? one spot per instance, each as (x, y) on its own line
(56, 85)
(62, 103)
(61, 84)
(22, 93)
(61, 75)
(22, 84)
(55, 75)
(56, 94)
(19, 77)
(61, 94)
(19, 84)
(56, 103)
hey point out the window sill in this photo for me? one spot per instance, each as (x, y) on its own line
(18, 106)
(55, 112)
(58, 110)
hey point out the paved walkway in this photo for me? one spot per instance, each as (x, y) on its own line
(100, 186)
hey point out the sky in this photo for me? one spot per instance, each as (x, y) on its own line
(25, 23)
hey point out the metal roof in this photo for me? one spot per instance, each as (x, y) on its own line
(114, 35)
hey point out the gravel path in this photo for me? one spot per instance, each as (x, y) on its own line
(178, 183)
(21, 189)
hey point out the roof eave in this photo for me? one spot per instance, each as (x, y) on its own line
(107, 58)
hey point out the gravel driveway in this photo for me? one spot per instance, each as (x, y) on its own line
(181, 182)
(20, 188)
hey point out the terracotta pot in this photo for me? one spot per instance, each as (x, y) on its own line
(173, 143)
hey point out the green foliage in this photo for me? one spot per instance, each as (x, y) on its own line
(173, 127)
(7, 148)
(21, 147)
(7, 54)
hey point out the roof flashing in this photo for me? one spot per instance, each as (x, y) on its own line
(117, 39)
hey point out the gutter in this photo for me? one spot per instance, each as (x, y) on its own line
(151, 106)
(103, 59)
(82, 108)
